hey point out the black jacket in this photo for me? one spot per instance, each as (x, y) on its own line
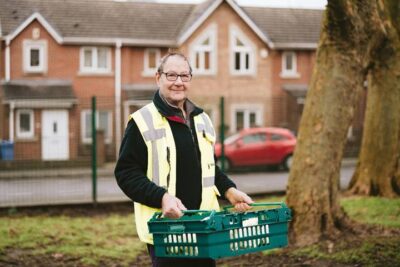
(131, 167)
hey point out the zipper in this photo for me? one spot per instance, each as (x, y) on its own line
(169, 166)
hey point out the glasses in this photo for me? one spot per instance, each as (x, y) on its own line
(172, 76)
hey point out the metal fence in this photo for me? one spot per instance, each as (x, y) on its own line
(59, 156)
(52, 158)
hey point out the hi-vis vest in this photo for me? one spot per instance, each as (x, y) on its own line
(161, 161)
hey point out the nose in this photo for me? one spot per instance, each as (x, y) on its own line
(179, 80)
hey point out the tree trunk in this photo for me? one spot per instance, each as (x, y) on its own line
(312, 193)
(379, 155)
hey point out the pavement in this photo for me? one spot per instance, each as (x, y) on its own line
(74, 185)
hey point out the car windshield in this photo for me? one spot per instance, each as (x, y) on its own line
(231, 139)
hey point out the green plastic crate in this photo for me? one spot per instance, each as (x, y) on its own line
(210, 234)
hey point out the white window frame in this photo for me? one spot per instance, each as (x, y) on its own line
(41, 45)
(249, 48)
(88, 112)
(94, 68)
(147, 71)
(198, 47)
(246, 109)
(30, 133)
(289, 73)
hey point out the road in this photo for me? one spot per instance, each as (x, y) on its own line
(45, 189)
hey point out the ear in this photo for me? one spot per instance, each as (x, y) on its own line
(158, 77)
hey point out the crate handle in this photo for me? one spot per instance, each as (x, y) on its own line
(158, 214)
(282, 204)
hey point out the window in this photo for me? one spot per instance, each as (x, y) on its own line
(254, 138)
(245, 117)
(242, 53)
(25, 124)
(278, 137)
(35, 56)
(203, 52)
(95, 59)
(103, 122)
(289, 65)
(152, 58)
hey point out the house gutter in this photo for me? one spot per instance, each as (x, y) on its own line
(7, 60)
(118, 45)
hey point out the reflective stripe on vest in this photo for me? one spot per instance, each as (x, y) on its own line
(153, 135)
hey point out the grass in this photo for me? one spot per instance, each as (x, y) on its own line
(92, 239)
(373, 210)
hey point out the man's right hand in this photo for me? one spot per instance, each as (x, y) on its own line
(171, 206)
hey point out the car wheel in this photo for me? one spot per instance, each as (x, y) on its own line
(227, 164)
(287, 162)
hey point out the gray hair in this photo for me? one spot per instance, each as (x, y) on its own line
(160, 68)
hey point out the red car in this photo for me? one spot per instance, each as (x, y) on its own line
(258, 146)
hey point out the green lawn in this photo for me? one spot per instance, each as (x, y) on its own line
(112, 236)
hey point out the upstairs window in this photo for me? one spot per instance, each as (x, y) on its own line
(289, 65)
(152, 58)
(35, 56)
(242, 53)
(203, 52)
(95, 59)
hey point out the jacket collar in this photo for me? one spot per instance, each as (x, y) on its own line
(174, 113)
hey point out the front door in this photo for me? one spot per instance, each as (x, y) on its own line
(55, 144)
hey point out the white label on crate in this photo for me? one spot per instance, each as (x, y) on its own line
(250, 222)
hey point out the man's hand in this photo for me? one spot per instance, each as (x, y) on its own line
(172, 206)
(238, 199)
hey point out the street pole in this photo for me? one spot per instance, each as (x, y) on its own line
(222, 132)
(94, 153)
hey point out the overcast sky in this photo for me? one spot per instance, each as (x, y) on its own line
(319, 4)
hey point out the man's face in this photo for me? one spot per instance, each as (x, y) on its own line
(175, 92)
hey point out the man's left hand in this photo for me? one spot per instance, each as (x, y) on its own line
(238, 199)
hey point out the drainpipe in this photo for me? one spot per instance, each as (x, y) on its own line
(11, 121)
(7, 61)
(118, 45)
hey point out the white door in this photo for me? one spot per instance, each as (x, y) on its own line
(55, 144)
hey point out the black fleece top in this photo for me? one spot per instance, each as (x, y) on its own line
(131, 167)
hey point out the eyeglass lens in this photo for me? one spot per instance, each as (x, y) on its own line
(171, 76)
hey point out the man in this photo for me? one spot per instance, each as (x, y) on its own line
(167, 160)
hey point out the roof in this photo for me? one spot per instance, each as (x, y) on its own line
(99, 18)
(150, 23)
(296, 90)
(37, 90)
(285, 26)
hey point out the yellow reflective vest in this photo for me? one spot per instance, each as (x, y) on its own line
(161, 161)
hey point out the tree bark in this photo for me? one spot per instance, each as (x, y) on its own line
(349, 33)
(380, 148)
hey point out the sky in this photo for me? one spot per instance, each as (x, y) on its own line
(319, 4)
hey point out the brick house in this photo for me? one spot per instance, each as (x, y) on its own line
(56, 54)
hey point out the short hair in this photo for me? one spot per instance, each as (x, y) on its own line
(160, 68)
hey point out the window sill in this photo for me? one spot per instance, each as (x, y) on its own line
(89, 73)
(149, 73)
(204, 73)
(41, 71)
(290, 75)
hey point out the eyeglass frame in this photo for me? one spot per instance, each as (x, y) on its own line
(177, 75)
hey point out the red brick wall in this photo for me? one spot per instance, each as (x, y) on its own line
(249, 89)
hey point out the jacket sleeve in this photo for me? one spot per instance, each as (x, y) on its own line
(130, 170)
(222, 181)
